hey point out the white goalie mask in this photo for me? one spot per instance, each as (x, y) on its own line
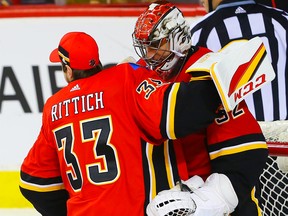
(162, 23)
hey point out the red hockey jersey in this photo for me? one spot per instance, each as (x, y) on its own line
(231, 144)
(92, 133)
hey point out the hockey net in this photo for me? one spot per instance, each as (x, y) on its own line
(274, 179)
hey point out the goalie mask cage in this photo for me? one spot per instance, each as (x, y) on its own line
(273, 180)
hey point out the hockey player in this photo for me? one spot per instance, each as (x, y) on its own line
(88, 152)
(234, 141)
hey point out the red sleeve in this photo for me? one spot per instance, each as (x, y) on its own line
(163, 110)
(237, 148)
(36, 158)
(234, 124)
(42, 154)
(148, 106)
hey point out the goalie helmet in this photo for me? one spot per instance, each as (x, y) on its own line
(161, 37)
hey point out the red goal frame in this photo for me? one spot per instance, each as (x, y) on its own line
(278, 148)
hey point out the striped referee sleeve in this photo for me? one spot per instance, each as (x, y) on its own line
(245, 20)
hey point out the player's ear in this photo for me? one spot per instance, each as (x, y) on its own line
(69, 73)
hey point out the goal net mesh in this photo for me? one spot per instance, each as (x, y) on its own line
(273, 181)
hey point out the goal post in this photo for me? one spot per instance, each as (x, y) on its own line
(274, 179)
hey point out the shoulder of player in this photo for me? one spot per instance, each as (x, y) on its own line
(276, 13)
(53, 98)
(131, 68)
(125, 73)
(198, 24)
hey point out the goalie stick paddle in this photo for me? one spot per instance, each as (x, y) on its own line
(241, 72)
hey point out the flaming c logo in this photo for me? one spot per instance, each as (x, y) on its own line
(246, 71)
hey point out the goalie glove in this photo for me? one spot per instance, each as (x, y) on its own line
(176, 201)
(238, 70)
(216, 197)
(189, 185)
(167, 203)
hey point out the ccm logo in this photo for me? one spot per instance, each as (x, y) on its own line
(249, 87)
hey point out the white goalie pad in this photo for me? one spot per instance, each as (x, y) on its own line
(206, 61)
(238, 70)
(216, 197)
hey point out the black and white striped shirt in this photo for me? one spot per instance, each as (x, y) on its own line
(236, 19)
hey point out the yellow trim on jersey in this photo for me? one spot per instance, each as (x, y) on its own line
(237, 149)
(171, 111)
(149, 153)
(255, 200)
(200, 78)
(41, 188)
(152, 170)
(168, 164)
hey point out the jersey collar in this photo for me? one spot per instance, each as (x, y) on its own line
(233, 3)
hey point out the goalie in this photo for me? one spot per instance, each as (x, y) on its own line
(236, 146)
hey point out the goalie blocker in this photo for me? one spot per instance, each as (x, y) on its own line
(239, 69)
(215, 197)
